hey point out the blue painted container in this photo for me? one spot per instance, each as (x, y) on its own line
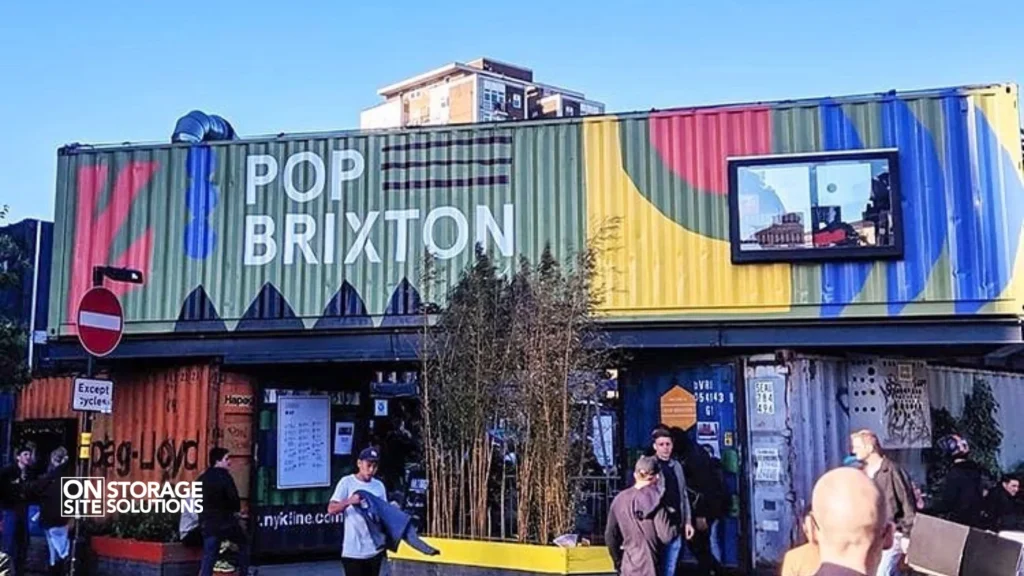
(714, 389)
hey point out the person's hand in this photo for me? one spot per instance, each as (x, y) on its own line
(688, 531)
(702, 524)
(355, 500)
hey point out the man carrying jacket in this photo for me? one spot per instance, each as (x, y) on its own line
(639, 525)
(361, 553)
(895, 486)
(674, 498)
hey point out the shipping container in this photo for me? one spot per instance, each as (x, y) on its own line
(324, 231)
(163, 423)
(700, 403)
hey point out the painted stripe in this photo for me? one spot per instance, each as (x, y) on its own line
(100, 321)
(448, 183)
(446, 163)
(480, 140)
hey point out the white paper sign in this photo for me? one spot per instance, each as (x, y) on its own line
(303, 441)
(91, 395)
(769, 467)
(343, 434)
(380, 407)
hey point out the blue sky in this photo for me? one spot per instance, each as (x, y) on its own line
(104, 71)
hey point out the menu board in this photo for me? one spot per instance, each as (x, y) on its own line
(303, 441)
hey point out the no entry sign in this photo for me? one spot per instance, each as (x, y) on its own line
(100, 321)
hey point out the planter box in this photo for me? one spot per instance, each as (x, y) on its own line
(116, 556)
(478, 558)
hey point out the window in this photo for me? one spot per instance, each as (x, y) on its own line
(517, 101)
(569, 111)
(833, 206)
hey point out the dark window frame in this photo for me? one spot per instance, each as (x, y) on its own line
(796, 255)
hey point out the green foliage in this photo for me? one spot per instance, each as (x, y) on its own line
(13, 336)
(144, 527)
(977, 424)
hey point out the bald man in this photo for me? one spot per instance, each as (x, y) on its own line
(850, 523)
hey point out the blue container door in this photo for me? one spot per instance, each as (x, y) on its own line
(702, 398)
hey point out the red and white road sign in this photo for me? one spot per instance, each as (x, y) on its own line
(100, 321)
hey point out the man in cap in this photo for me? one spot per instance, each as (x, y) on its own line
(360, 554)
(639, 525)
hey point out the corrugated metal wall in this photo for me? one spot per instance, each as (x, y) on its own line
(819, 422)
(162, 426)
(352, 215)
(947, 387)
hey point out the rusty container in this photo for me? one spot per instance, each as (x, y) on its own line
(163, 423)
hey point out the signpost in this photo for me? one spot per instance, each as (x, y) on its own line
(100, 327)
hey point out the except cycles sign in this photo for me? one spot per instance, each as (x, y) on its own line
(91, 395)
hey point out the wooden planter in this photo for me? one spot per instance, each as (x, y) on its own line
(116, 556)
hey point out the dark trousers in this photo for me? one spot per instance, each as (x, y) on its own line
(213, 537)
(368, 567)
(700, 546)
(15, 539)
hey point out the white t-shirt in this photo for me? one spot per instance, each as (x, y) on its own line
(357, 543)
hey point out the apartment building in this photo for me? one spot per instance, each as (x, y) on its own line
(483, 90)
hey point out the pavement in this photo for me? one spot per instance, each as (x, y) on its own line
(329, 567)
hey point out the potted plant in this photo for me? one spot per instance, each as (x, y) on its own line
(135, 543)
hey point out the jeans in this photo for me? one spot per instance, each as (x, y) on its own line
(15, 539)
(367, 567)
(889, 565)
(211, 548)
(670, 557)
(57, 542)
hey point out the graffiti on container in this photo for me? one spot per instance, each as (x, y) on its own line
(907, 423)
(171, 456)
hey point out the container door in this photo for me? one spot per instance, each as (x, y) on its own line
(772, 507)
(294, 522)
(701, 401)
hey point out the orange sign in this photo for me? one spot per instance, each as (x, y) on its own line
(678, 408)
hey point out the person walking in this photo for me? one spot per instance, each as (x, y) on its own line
(221, 515)
(361, 553)
(674, 498)
(14, 499)
(640, 527)
(53, 523)
(898, 493)
(848, 520)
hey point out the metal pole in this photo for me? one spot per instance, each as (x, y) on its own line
(85, 439)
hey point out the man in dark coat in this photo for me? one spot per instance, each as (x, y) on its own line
(219, 519)
(1002, 509)
(963, 491)
(639, 526)
(895, 486)
(14, 499)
